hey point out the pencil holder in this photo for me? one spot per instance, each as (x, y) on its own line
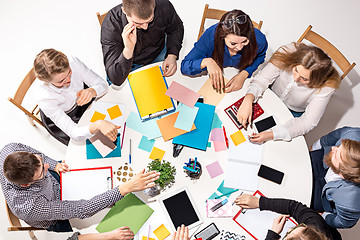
(198, 170)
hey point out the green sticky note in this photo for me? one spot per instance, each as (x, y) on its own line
(216, 122)
(209, 144)
(129, 211)
(146, 144)
(213, 196)
(223, 189)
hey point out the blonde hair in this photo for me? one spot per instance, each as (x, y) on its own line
(322, 72)
(350, 165)
(49, 62)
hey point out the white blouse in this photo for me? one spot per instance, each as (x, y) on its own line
(56, 102)
(296, 96)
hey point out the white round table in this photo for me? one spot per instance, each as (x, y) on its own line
(292, 157)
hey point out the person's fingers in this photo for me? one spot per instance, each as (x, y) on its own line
(186, 233)
(142, 171)
(182, 232)
(222, 82)
(171, 70)
(173, 236)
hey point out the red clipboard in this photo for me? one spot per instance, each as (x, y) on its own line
(246, 230)
(84, 178)
(232, 110)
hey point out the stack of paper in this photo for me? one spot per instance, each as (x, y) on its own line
(243, 165)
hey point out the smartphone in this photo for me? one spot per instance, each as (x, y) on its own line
(265, 124)
(270, 174)
(208, 233)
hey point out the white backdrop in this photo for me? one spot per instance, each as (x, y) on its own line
(27, 27)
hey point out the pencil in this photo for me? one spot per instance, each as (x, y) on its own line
(122, 140)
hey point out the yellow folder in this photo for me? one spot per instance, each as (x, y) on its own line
(149, 87)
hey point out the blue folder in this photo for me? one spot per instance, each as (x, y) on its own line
(199, 137)
(92, 152)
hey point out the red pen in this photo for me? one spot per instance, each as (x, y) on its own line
(122, 140)
(226, 139)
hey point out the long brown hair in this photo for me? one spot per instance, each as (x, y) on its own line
(322, 72)
(244, 30)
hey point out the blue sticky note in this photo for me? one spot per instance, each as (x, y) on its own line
(92, 152)
(225, 190)
(213, 196)
(146, 144)
(148, 128)
(199, 137)
(209, 144)
(186, 117)
(216, 123)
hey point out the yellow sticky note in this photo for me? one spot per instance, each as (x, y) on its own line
(97, 116)
(145, 238)
(238, 138)
(161, 232)
(114, 112)
(157, 153)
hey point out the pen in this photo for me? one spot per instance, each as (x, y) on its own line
(190, 169)
(226, 139)
(228, 193)
(122, 140)
(130, 151)
(148, 236)
(237, 197)
(195, 163)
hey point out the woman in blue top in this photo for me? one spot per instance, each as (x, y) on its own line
(233, 42)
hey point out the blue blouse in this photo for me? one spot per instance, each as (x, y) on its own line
(204, 48)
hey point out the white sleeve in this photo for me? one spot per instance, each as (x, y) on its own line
(311, 117)
(52, 110)
(90, 78)
(263, 79)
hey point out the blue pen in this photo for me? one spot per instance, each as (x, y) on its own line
(130, 153)
(190, 169)
(195, 162)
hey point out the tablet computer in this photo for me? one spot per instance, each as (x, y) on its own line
(179, 209)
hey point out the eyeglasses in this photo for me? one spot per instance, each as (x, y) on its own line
(230, 22)
(297, 226)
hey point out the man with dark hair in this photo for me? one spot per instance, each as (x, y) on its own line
(139, 32)
(335, 160)
(30, 182)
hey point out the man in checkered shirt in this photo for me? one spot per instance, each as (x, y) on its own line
(33, 193)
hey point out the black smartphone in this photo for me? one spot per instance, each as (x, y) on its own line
(265, 124)
(208, 233)
(270, 174)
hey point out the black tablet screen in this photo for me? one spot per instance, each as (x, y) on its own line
(180, 209)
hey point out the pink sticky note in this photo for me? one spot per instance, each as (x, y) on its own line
(217, 135)
(214, 169)
(182, 94)
(220, 146)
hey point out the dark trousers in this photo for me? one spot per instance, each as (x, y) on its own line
(60, 225)
(56, 132)
(319, 182)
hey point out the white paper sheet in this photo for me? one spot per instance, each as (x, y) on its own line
(102, 143)
(242, 175)
(85, 184)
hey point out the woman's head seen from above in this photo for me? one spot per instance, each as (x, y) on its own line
(309, 64)
(52, 66)
(236, 31)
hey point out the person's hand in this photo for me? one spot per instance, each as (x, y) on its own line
(139, 182)
(244, 114)
(84, 96)
(121, 233)
(169, 65)
(262, 137)
(236, 82)
(279, 223)
(247, 201)
(129, 38)
(61, 167)
(109, 129)
(182, 233)
(215, 74)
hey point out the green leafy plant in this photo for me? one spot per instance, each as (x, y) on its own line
(167, 171)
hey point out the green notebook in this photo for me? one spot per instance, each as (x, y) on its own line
(129, 211)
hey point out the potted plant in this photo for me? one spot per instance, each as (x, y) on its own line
(167, 177)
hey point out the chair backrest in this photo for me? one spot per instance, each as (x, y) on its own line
(216, 14)
(19, 97)
(330, 49)
(15, 224)
(101, 17)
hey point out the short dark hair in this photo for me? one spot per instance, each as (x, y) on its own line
(20, 167)
(143, 9)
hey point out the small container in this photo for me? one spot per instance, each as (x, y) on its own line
(197, 174)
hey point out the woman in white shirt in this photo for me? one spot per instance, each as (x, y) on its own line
(304, 78)
(62, 98)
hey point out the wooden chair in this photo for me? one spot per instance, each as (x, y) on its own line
(216, 14)
(19, 97)
(15, 224)
(101, 17)
(330, 49)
